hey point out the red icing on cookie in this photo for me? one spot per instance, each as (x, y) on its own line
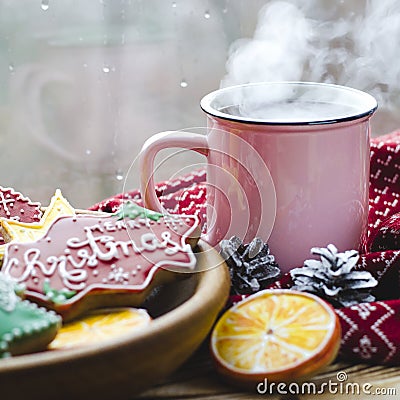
(91, 255)
(13, 205)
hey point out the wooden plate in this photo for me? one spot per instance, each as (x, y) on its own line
(185, 312)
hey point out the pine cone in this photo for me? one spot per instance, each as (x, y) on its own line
(251, 266)
(333, 277)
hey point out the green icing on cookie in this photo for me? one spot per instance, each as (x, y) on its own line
(57, 296)
(24, 327)
(8, 296)
(132, 211)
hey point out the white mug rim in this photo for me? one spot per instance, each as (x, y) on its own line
(369, 107)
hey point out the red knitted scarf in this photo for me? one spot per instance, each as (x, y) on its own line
(370, 331)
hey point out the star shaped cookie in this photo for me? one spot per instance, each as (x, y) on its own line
(21, 232)
(15, 206)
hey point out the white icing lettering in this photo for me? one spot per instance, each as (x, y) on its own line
(120, 224)
(109, 226)
(133, 224)
(96, 227)
(97, 245)
(149, 242)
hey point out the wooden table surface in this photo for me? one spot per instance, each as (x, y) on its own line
(198, 380)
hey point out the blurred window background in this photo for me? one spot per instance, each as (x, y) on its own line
(84, 83)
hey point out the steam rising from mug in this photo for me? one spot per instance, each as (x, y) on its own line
(349, 43)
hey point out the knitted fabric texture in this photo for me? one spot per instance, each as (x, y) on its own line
(370, 331)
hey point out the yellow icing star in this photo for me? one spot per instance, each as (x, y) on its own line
(20, 232)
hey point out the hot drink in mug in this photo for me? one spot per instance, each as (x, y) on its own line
(286, 161)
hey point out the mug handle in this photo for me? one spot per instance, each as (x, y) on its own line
(160, 141)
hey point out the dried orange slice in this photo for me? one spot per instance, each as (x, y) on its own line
(281, 335)
(96, 327)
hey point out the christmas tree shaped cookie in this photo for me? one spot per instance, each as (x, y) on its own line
(24, 327)
(89, 261)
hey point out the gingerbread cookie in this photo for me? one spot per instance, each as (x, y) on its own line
(24, 327)
(15, 206)
(86, 261)
(20, 232)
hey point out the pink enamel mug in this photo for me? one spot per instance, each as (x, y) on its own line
(286, 161)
